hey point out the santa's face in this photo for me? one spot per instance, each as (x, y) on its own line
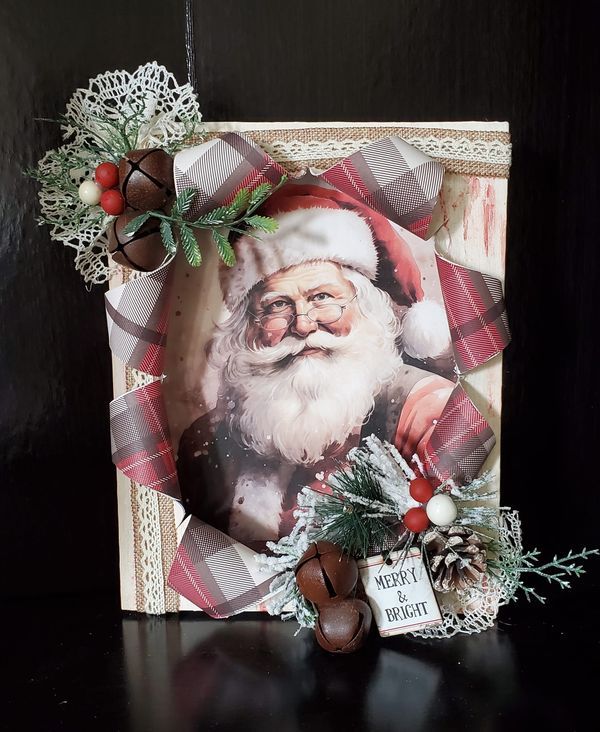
(300, 301)
(303, 360)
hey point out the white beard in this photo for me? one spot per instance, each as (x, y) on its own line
(297, 408)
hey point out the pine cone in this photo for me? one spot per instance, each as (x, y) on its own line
(457, 557)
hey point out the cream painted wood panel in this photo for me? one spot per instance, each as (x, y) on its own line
(470, 226)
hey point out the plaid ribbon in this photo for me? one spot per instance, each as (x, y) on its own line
(393, 178)
(217, 573)
(140, 439)
(461, 441)
(390, 176)
(476, 314)
(218, 169)
(138, 314)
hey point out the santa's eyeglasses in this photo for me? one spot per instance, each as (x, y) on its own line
(324, 314)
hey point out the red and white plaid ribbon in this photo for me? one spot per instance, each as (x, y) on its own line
(138, 316)
(140, 439)
(213, 571)
(218, 169)
(217, 573)
(460, 443)
(476, 314)
(390, 176)
(393, 178)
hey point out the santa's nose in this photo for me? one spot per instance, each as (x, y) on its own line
(303, 325)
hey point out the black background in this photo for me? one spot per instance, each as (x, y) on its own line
(532, 63)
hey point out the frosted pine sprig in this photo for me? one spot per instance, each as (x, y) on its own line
(472, 491)
(286, 600)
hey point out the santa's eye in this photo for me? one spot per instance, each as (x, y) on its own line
(277, 306)
(321, 297)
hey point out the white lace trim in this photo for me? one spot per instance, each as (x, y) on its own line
(494, 152)
(113, 94)
(149, 562)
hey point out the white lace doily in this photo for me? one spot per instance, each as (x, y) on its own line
(166, 113)
(476, 609)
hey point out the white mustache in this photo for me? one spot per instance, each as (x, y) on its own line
(290, 346)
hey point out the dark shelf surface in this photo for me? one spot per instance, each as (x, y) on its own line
(81, 664)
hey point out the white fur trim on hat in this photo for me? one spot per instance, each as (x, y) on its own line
(425, 331)
(303, 235)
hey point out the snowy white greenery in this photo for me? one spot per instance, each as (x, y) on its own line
(363, 514)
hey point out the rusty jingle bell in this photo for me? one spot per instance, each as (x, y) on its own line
(343, 626)
(324, 573)
(146, 179)
(143, 251)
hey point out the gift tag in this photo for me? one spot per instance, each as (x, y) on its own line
(399, 592)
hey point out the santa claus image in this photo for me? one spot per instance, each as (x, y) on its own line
(326, 341)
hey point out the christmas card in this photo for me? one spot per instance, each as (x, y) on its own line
(240, 465)
(307, 323)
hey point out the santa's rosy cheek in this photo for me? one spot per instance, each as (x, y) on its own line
(266, 338)
(341, 327)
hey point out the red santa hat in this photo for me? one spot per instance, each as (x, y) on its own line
(322, 224)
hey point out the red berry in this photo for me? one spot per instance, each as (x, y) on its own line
(421, 490)
(415, 519)
(107, 175)
(112, 202)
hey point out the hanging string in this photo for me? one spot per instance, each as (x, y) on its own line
(190, 49)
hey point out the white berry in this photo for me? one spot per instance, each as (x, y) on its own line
(90, 192)
(441, 510)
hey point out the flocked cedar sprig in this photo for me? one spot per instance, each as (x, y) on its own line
(237, 216)
(117, 112)
(560, 570)
(370, 496)
(102, 138)
(286, 599)
(109, 138)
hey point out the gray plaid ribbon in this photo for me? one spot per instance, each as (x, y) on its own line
(140, 439)
(390, 176)
(460, 443)
(393, 178)
(217, 573)
(137, 314)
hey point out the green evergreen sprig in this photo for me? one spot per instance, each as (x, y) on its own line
(57, 170)
(558, 571)
(357, 516)
(237, 216)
